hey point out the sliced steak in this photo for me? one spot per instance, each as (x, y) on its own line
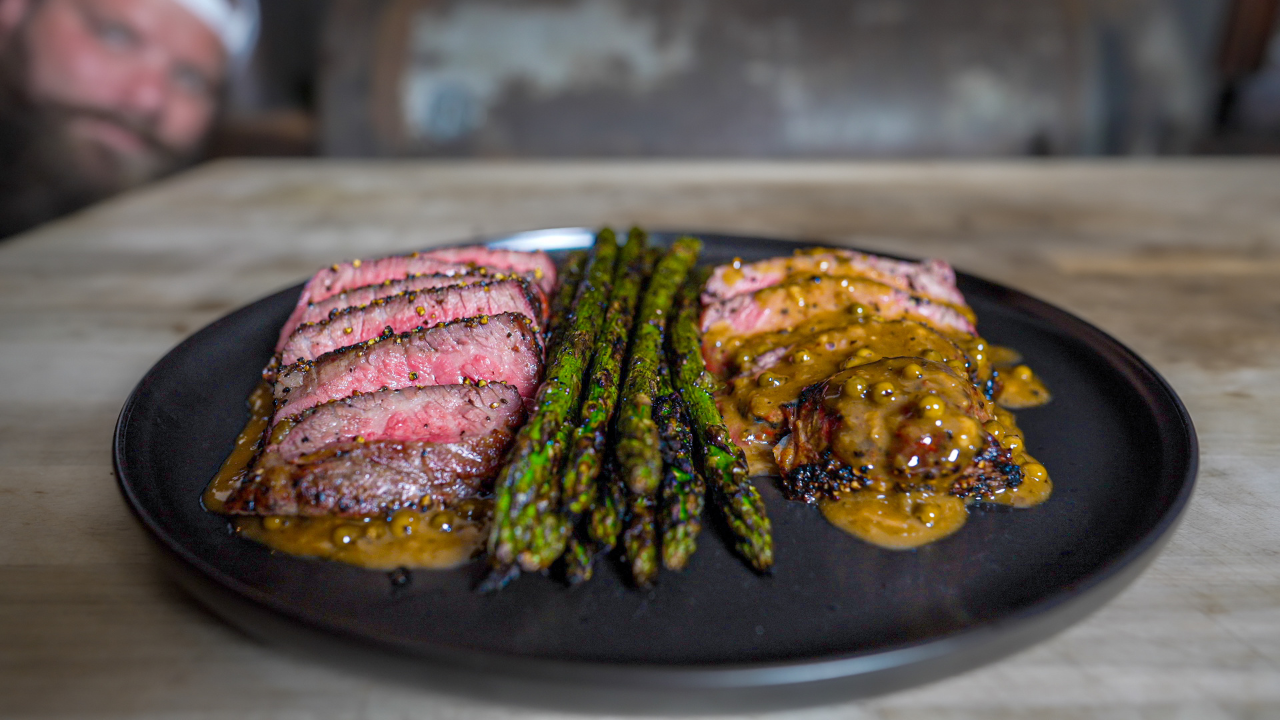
(498, 348)
(797, 301)
(537, 265)
(372, 478)
(933, 279)
(341, 277)
(323, 310)
(410, 310)
(436, 414)
(356, 297)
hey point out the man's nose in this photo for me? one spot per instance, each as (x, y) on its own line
(147, 90)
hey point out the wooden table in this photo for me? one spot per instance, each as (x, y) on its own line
(1180, 260)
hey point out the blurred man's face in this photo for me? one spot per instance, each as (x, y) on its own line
(121, 90)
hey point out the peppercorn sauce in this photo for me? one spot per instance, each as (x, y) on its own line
(918, 413)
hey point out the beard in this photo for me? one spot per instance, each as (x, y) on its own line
(48, 168)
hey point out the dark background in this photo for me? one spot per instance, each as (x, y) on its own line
(758, 78)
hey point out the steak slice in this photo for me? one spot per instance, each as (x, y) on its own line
(797, 301)
(537, 265)
(411, 310)
(324, 309)
(341, 277)
(933, 279)
(497, 348)
(435, 414)
(372, 478)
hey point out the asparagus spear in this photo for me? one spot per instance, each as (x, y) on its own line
(579, 559)
(639, 455)
(548, 527)
(723, 464)
(589, 438)
(683, 489)
(605, 522)
(640, 539)
(562, 303)
(637, 450)
(579, 487)
(598, 532)
(527, 486)
(606, 499)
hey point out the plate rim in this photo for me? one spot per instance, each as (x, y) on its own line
(1088, 594)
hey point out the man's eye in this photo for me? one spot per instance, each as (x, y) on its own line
(192, 81)
(114, 34)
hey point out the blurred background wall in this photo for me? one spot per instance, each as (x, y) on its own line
(753, 78)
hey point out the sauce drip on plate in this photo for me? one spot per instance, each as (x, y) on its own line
(248, 443)
(409, 538)
(897, 520)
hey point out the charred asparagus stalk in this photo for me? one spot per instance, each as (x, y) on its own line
(724, 466)
(607, 497)
(579, 560)
(640, 539)
(605, 522)
(598, 532)
(683, 489)
(562, 304)
(588, 444)
(639, 455)
(579, 487)
(637, 450)
(549, 527)
(527, 487)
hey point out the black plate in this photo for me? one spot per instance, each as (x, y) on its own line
(838, 618)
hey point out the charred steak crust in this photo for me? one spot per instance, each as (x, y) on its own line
(827, 478)
(411, 310)
(992, 472)
(824, 480)
(360, 479)
(501, 347)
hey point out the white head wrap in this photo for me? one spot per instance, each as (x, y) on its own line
(235, 22)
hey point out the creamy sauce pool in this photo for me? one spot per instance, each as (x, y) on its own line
(409, 538)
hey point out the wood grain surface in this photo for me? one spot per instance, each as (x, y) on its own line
(1179, 260)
